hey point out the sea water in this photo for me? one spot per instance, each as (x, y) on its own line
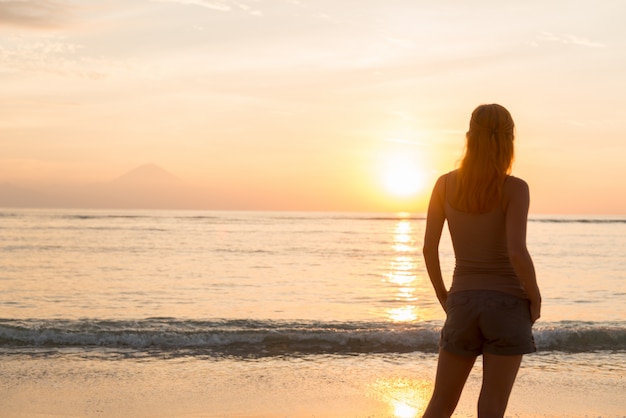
(246, 288)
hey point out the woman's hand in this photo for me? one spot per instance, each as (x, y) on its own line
(535, 310)
(442, 296)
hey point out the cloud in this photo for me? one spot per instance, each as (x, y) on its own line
(52, 55)
(218, 5)
(585, 42)
(36, 14)
(568, 39)
(398, 41)
(213, 5)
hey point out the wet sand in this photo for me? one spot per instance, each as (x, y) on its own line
(395, 386)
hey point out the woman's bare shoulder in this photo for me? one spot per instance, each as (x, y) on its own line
(451, 175)
(442, 180)
(514, 184)
(516, 190)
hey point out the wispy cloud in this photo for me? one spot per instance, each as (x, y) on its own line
(36, 14)
(218, 5)
(221, 6)
(53, 55)
(585, 42)
(398, 41)
(567, 39)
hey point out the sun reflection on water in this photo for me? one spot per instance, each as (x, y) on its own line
(407, 398)
(402, 274)
(402, 410)
(403, 314)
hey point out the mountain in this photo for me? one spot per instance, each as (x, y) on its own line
(147, 175)
(148, 187)
(145, 187)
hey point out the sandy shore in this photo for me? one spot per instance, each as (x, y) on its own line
(395, 386)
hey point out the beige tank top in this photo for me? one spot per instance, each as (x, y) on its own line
(480, 249)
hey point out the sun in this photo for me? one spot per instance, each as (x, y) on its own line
(401, 175)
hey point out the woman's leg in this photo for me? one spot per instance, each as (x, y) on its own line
(499, 373)
(452, 372)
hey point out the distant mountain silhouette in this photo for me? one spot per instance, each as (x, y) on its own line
(145, 187)
(147, 175)
(148, 187)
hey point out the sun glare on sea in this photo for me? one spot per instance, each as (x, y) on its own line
(407, 398)
(401, 175)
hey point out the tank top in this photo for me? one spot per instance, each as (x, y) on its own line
(480, 249)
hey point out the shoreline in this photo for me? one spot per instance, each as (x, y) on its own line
(394, 386)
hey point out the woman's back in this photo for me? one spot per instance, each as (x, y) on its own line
(480, 245)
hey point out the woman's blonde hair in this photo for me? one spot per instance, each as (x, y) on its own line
(487, 160)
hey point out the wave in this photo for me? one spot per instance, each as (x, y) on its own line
(268, 338)
(579, 220)
(104, 216)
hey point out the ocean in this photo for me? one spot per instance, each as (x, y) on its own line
(125, 313)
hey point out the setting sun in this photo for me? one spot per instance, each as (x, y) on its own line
(401, 176)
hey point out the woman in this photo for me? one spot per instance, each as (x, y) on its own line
(494, 298)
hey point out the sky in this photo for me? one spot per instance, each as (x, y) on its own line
(338, 105)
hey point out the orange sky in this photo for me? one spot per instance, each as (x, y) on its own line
(309, 105)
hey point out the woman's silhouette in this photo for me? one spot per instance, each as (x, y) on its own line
(494, 298)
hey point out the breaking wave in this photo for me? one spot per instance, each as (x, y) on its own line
(267, 338)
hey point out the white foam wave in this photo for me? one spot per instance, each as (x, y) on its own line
(244, 337)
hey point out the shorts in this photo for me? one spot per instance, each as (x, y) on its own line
(487, 321)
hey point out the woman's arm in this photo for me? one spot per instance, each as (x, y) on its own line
(516, 221)
(434, 225)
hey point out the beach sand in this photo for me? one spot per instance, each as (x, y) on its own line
(398, 386)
